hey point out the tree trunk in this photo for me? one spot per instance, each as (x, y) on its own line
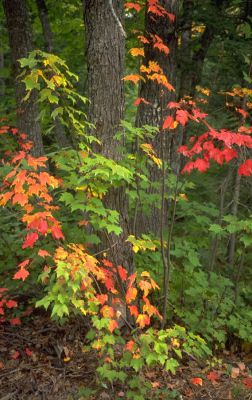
(185, 57)
(20, 37)
(158, 97)
(105, 65)
(58, 130)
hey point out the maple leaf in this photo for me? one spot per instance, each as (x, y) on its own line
(143, 320)
(143, 39)
(107, 263)
(122, 273)
(56, 233)
(131, 295)
(43, 253)
(188, 167)
(145, 286)
(30, 240)
(182, 117)
(102, 298)
(36, 162)
(172, 104)
(137, 51)
(171, 17)
(112, 325)
(201, 165)
(15, 321)
(129, 345)
(28, 352)
(248, 382)
(245, 168)
(197, 381)
(169, 123)
(134, 6)
(20, 198)
(242, 112)
(213, 376)
(11, 304)
(4, 198)
(15, 355)
(135, 78)
(134, 311)
(24, 263)
(140, 100)
(21, 274)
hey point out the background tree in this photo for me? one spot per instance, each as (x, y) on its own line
(105, 70)
(20, 37)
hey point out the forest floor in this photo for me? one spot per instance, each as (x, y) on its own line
(40, 360)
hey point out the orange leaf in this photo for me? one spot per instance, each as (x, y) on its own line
(213, 376)
(122, 273)
(43, 253)
(20, 198)
(30, 240)
(143, 320)
(135, 78)
(129, 345)
(197, 381)
(140, 100)
(107, 312)
(134, 311)
(131, 295)
(135, 6)
(102, 298)
(21, 274)
(112, 325)
(137, 51)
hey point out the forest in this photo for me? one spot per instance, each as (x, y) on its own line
(125, 200)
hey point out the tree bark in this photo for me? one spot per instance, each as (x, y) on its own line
(60, 134)
(20, 38)
(105, 66)
(153, 114)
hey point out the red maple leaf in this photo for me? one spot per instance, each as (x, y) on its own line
(56, 233)
(11, 304)
(248, 382)
(245, 168)
(30, 240)
(197, 381)
(122, 273)
(213, 376)
(21, 274)
(168, 123)
(15, 321)
(182, 117)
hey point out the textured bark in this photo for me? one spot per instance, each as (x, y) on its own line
(185, 57)
(20, 38)
(2, 81)
(158, 96)
(105, 63)
(58, 130)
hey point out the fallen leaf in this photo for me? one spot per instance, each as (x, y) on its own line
(15, 354)
(235, 372)
(248, 382)
(197, 381)
(213, 376)
(242, 366)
